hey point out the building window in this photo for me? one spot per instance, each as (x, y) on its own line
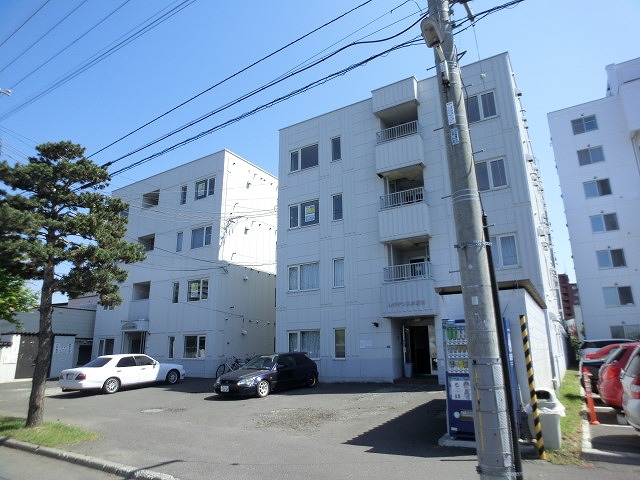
(183, 194)
(336, 150)
(201, 237)
(337, 206)
(306, 157)
(205, 187)
(339, 343)
(338, 272)
(179, 237)
(611, 258)
(304, 214)
(176, 292)
(105, 346)
(584, 124)
(504, 251)
(307, 341)
(147, 242)
(197, 290)
(617, 296)
(304, 277)
(480, 107)
(597, 188)
(604, 222)
(491, 175)
(141, 291)
(194, 346)
(625, 331)
(151, 199)
(590, 155)
(172, 342)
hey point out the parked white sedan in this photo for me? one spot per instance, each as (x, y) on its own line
(110, 372)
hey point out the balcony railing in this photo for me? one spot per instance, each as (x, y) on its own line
(407, 271)
(404, 197)
(398, 131)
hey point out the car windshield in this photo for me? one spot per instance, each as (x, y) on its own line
(97, 362)
(261, 362)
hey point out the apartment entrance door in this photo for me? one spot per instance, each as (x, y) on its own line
(420, 346)
(134, 342)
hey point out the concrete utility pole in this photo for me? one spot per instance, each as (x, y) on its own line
(491, 417)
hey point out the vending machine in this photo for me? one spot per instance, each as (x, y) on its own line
(458, 384)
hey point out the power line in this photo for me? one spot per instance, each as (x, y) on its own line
(24, 23)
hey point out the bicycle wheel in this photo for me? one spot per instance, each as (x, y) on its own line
(220, 370)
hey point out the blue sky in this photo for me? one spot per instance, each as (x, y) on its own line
(558, 49)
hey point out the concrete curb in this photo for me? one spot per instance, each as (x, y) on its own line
(126, 471)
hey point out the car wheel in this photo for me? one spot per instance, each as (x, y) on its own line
(111, 385)
(172, 377)
(311, 381)
(263, 388)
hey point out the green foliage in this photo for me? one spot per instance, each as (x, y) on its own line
(49, 435)
(14, 297)
(58, 216)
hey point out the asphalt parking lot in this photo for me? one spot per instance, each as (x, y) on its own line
(342, 431)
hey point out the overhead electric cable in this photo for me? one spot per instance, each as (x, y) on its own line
(92, 28)
(231, 76)
(24, 23)
(42, 36)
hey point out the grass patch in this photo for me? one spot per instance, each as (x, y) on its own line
(569, 396)
(50, 434)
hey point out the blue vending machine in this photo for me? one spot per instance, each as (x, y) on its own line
(458, 384)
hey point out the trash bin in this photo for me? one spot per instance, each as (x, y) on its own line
(549, 412)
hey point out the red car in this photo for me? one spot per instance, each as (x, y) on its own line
(609, 385)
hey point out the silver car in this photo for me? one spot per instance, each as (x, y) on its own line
(630, 380)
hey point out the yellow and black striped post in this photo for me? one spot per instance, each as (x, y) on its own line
(532, 387)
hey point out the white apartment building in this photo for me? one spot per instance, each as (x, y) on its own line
(366, 258)
(597, 151)
(206, 291)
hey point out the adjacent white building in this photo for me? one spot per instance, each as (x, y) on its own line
(597, 151)
(206, 291)
(367, 268)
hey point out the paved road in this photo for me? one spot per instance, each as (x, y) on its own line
(345, 431)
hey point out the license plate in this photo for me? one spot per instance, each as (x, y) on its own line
(224, 388)
(70, 376)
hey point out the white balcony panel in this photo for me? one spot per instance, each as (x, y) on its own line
(415, 297)
(406, 221)
(399, 153)
(404, 91)
(139, 309)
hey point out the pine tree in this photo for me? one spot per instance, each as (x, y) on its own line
(58, 227)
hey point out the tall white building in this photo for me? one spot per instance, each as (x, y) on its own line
(597, 152)
(206, 291)
(367, 268)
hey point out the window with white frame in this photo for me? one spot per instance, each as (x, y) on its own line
(611, 258)
(105, 346)
(201, 236)
(183, 194)
(336, 149)
(179, 238)
(617, 296)
(147, 242)
(590, 155)
(584, 124)
(304, 277)
(303, 158)
(307, 341)
(604, 222)
(338, 272)
(339, 344)
(195, 346)
(197, 290)
(337, 206)
(172, 343)
(504, 251)
(205, 187)
(491, 174)
(151, 199)
(304, 214)
(480, 107)
(596, 188)
(625, 331)
(175, 294)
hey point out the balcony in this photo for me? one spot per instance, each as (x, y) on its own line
(398, 147)
(139, 309)
(408, 290)
(403, 215)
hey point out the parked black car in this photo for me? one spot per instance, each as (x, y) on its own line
(266, 373)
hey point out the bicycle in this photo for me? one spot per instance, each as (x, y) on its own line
(228, 367)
